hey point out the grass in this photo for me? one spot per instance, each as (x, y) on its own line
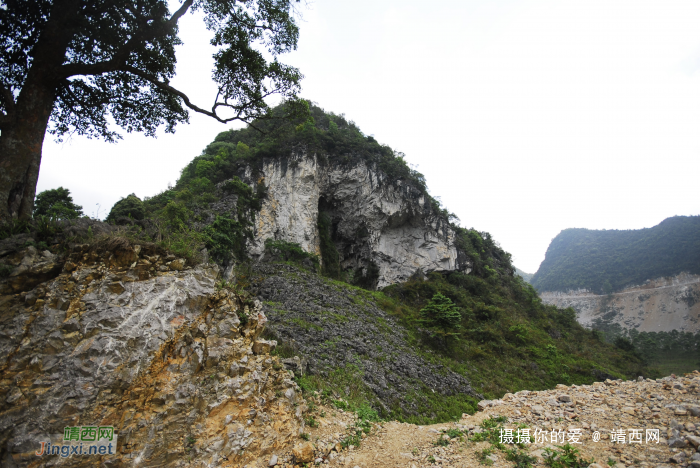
(667, 365)
(342, 387)
(565, 456)
(304, 324)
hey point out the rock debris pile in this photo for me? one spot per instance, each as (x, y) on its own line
(614, 410)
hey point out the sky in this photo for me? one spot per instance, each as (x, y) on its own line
(526, 117)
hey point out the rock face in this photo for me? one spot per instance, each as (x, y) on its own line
(663, 304)
(390, 224)
(130, 338)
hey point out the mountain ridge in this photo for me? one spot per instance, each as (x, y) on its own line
(609, 260)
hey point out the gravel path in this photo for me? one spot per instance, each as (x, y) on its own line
(612, 421)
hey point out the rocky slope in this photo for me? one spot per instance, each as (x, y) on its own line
(125, 335)
(663, 304)
(336, 327)
(390, 224)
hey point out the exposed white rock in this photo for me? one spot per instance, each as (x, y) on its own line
(662, 304)
(391, 224)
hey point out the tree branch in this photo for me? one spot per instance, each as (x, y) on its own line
(166, 87)
(119, 60)
(8, 117)
(9, 100)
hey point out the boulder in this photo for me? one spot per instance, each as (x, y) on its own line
(264, 346)
(303, 452)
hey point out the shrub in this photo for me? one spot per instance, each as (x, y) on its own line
(624, 344)
(226, 237)
(129, 207)
(12, 227)
(441, 313)
(289, 251)
(57, 203)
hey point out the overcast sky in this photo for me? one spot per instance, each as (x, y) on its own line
(526, 117)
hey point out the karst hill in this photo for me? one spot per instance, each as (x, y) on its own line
(305, 261)
(640, 288)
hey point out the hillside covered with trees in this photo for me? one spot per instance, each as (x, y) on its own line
(610, 260)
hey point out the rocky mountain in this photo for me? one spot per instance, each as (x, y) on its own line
(642, 286)
(304, 263)
(392, 225)
(660, 305)
(610, 260)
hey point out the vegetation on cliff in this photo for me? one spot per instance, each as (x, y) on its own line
(607, 261)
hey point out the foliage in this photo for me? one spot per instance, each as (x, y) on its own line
(527, 277)
(336, 140)
(46, 226)
(566, 457)
(607, 261)
(57, 203)
(226, 237)
(669, 352)
(13, 227)
(117, 58)
(507, 339)
(440, 312)
(624, 343)
(130, 207)
(329, 253)
(289, 252)
(520, 458)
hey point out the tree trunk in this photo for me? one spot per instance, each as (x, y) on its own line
(21, 142)
(20, 153)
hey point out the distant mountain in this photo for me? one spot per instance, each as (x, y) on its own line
(609, 260)
(527, 277)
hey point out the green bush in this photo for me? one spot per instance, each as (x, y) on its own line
(129, 207)
(225, 238)
(441, 313)
(57, 203)
(289, 251)
(12, 227)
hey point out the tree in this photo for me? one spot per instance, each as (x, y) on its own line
(57, 203)
(71, 66)
(130, 207)
(442, 313)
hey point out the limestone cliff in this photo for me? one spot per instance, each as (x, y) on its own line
(663, 304)
(126, 336)
(389, 223)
